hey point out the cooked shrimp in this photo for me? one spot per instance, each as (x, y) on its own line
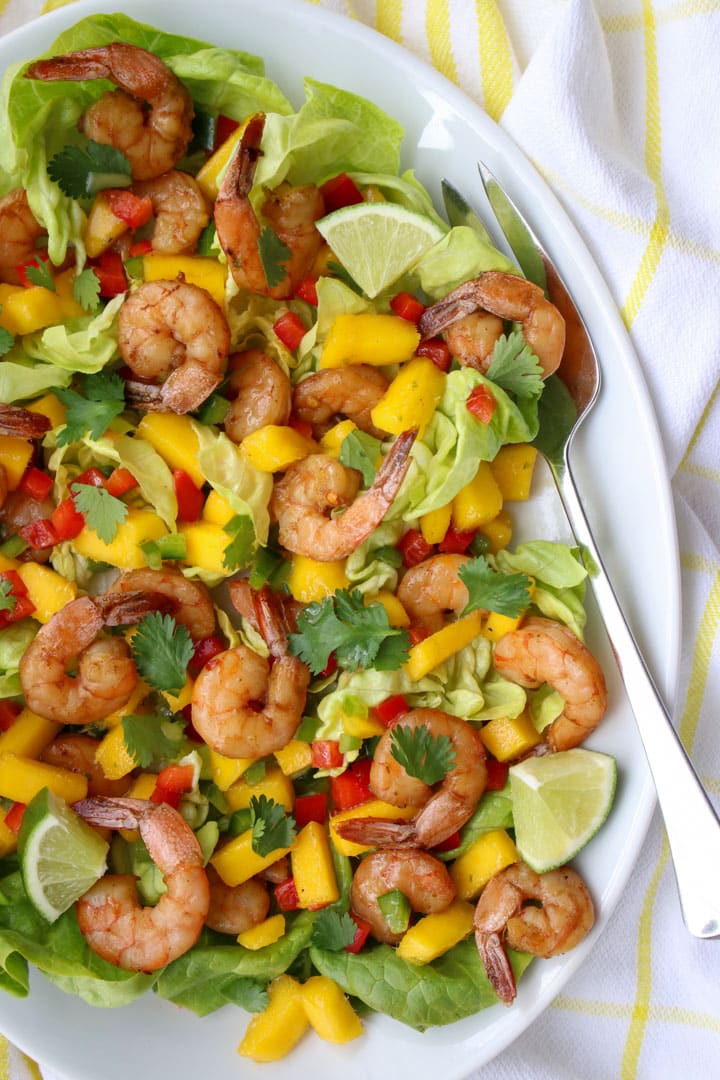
(291, 213)
(508, 297)
(15, 420)
(432, 588)
(172, 331)
(244, 706)
(261, 394)
(106, 674)
(420, 877)
(149, 118)
(314, 486)
(77, 753)
(18, 233)
(543, 914)
(235, 908)
(181, 212)
(189, 601)
(544, 651)
(351, 391)
(471, 340)
(444, 809)
(110, 918)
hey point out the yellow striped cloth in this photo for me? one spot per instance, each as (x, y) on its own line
(615, 102)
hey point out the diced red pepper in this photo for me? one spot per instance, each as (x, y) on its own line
(437, 350)
(36, 483)
(224, 127)
(190, 498)
(32, 261)
(307, 290)
(23, 604)
(67, 521)
(310, 808)
(497, 774)
(303, 427)
(449, 843)
(290, 329)
(407, 306)
(413, 547)
(330, 666)
(417, 633)
(39, 534)
(171, 783)
(390, 709)
(134, 210)
(14, 816)
(287, 895)
(18, 587)
(92, 476)
(340, 191)
(352, 787)
(9, 712)
(326, 754)
(455, 542)
(361, 934)
(110, 272)
(481, 403)
(205, 649)
(120, 481)
(140, 247)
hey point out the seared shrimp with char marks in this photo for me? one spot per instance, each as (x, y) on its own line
(260, 394)
(77, 753)
(14, 420)
(188, 601)
(311, 488)
(543, 914)
(149, 118)
(181, 212)
(351, 391)
(172, 331)
(18, 233)
(109, 915)
(544, 651)
(444, 809)
(420, 877)
(432, 588)
(236, 908)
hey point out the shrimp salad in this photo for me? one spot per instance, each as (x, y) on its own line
(263, 622)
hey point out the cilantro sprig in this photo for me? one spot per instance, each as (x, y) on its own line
(8, 600)
(359, 636)
(274, 256)
(361, 451)
(6, 339)
(81, 173)
(162, 649)
(271, 827)
(103, 512)
(421, 754)
(333, 930)
(100, 400)
(515, 367)
(86, 289)
(490, 590)
(38, 273)
(238, 552)
(153, 740)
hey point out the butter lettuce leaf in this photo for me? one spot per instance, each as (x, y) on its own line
(230, 473)
(14, 640)
(21, 380)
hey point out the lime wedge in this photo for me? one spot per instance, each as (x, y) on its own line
(61, 856)
(559, 803)
(378, 242)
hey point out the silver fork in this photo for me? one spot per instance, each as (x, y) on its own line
(692, 826)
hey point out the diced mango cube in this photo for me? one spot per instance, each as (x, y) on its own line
(274, 447)
(485, 857)
(427, 654)
(332, 440)
(368, 338)
(274, 785)
(396, 613)
(206, 273)
(48, 590)
(236, 861)
(103, 227)
(26, 310)
(175, 440)
(512, 468)
(179, 701)
(51, 406)
(478, 502)
(112, 755)
(224, 771)
(295, 757)
(498, 625)
(206, 544)
(375, 808)
(312, 867)
(498, 531)
(124, 549)
(507, 737)
(29, 735)
(310, 580)
(273, 1033)
(433, 935)
(329, 1011)
(435, 524)
(265, 933)
(22, 778)
(217, 509)
(362, 727)
(208, 176)
(411, 398)
(15, 455)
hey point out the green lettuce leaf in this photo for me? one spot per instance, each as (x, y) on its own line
(21, 380)
(14, 640)
(560, 577)
(460, 256)
(86, 344)
(230, 473)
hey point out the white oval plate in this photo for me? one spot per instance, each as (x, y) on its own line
(621, 471)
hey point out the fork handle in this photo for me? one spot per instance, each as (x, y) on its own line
(692, 826)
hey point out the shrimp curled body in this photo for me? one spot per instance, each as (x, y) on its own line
(262, 394)
(77, 753)
(180, 210)
(432, 588)
(422, 878)
(189, 601)
(236, 908)
(543, 914)
(18, 232)
(544, 651)
(110, 918)
(351, 391)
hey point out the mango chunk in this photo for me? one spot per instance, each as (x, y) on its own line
(485, 857)
(369, 338)
(411, 398)
(374, 808)
(310, 580)
(265, 933)
(273, 1033)
(208, 274)
(208, 176)
(513, 468)
(15, 454)
(295, 757)
(224, 771)
(478, 502)
(312, 867)
(236, 861)
(112, 755)
(427, 654)
(274, 447)
(507, 737)
(25, 310)
(51, 406)
(206, 544)
(436, 523)
(124, 549)
(396, 613)
(22, 778)
(175, 440)
(498, 531)
(216, 509)
(29, 735)
(48, 590)
(332, 440)
(329, 1011)
(274, 785)
(433, 935)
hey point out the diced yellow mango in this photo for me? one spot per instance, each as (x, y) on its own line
(375, 808)
(411, 398)
(312, 867)
(29, 735)
(433, 935)
(124, 549)
(21, 778)
(368, 338)
(112, 755)
(295, 757)
(48, 590)
(362, 727)
(224, 771)
(311, 580)
(498, 625)
(436, 523)
(427, 654)
(396, 613)
(103, 227)
(205, 545)
(51, 406)
(133, 705)
(236, 861)
(15, 455)
(64, 283)
(498, 531)
(274, 447)
(274, 785)
(273, 1033)
(507, 737)
(217, 509)
(513, 468)
(206, 273)
(329, 1011)
(485, 857)
(332, 440)
(179, 701)
(8, 839)
(8, 564)
(175, 440)
(478, 502)
(208, 177)
(265, 933)
(25, 310)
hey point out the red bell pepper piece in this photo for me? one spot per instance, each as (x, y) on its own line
(326, 754)
(361, 934)
(140, 247)
(66, 520)
(224, 127)
(340, 191)
(36, 483)
(481, 403)
(413, 547)
(14, 816)
(417, 633)
(39, 534)
(390, 709)
(449, 843)
(32, 261)
(190, 498)
(134, 210)
(497, 773)
(307, 290)
(205, 649)
(9, 712)
(455, 542)
(290, 329)
(92, 476)
(436, 350)
(23, 604)
(303, 427)
(330, 666)
(352, 787)
(120, 481)
(110, 272)
(171, 783)
(408, 307)
(310, 808)
(286, 895)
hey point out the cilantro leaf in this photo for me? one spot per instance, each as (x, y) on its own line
(343, 625)
(81, 173)
(242, 533)
(271, 827)
(507, 594)
(38, 273)
(247, 993)
(338, 271)
(102, 511)
(162, 649)
(6, 339)
(86, 290)
(8, 600)
(333, 930)
(268, 567)
(151, 740)
(360, 451)
(421, 754)
(515, 367)
(101, 400)
(274, 256)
